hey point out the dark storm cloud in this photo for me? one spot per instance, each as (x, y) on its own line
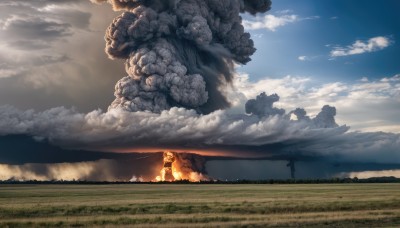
(274, 137)
(25, 149)
(263, 169)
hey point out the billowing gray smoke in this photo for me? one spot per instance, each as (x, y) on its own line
(262, 106)
(301, 114)
(191, 163)
(326, 118)
(178, 52)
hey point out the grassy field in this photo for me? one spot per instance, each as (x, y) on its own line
(322, 205)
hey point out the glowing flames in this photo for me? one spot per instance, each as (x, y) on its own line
(167, 172)
(175, 169)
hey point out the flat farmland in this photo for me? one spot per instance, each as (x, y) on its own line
(195, 205)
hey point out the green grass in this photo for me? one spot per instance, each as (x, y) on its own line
(320, 205)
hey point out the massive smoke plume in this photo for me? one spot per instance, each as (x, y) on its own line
(178, 53)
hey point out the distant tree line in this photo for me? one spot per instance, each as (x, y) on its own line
(271, 181)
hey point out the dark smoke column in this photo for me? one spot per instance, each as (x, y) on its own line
(178, 52)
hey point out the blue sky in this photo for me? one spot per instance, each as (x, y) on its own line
(319, 27)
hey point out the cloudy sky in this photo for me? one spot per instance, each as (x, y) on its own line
(53, 55)
(339, 52)
(311, 53)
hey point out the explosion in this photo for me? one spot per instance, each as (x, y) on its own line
(166, 172)
(181, 167)
(178, 54)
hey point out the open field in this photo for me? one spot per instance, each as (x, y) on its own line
(335, 205)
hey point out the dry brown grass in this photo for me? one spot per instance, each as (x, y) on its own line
(350, 205)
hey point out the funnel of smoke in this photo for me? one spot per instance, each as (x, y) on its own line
(292, 167)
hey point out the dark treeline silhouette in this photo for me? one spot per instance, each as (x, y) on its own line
(272, 181)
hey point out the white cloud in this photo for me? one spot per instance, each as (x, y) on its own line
(258, 35)
(365, 105)
(360, 47)
(286, 11)
(308, 58)
(287, 87)
(6, 73)
(272, 22)
(328, 90)
(369, 174)
(302, 58)
(269, 22)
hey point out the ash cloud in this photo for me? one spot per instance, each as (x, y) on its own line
(300, 114)
(262, 106)
(191, 166)
(326, 118)
(178, 53)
